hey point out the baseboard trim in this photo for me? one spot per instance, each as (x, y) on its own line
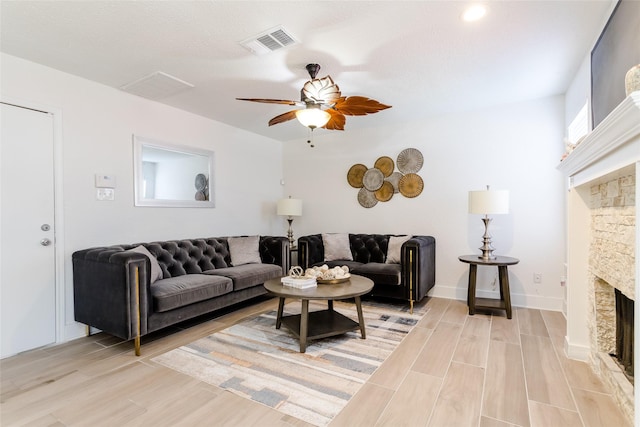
(74, 330)
(517, 300)
(576, 351)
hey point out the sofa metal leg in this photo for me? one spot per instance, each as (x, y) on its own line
(411, 281)
(137, 345)
(137, 338)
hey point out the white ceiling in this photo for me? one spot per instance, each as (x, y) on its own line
(417, 56)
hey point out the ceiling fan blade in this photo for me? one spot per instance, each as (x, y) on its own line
(271, 101)
(336, 121)
(285, 117)
(358, 106)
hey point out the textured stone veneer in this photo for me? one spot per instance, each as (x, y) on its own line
(612, 252)
(611, 265)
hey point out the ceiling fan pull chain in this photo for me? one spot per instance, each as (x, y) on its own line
(310, 138)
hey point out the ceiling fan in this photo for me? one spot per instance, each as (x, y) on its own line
(322, 104)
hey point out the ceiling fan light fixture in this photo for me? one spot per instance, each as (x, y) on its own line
(313, 117)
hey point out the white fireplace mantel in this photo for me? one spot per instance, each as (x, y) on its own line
(613, 144)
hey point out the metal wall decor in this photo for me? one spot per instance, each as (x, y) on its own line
(381, 182)
(202, 187)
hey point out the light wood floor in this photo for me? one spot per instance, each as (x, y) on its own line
(451, 370)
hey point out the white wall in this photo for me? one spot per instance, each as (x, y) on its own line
(579, 92)
(97, 127)
(513, 147)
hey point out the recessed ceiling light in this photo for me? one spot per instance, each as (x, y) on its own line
(474, 13)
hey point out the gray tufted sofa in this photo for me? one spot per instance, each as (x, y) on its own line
(410, 280)
(113, 290)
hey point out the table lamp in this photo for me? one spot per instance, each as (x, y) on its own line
(290, 208)
(488, 202)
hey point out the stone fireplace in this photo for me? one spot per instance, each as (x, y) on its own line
(612, 268)
(602, 237)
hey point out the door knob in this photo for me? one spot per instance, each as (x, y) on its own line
(45, 242)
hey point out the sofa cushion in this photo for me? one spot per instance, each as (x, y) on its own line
(383, 274)
(179, 291)
(244, 250)
(156, 270)
(248, 275)
(394, 248)
(336, 247)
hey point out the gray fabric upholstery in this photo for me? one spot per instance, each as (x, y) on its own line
(183, 290)
(156, 270)
(395, 248)
(178, 257)
(112, 288)
(244, 250)
(417, 267)
(382, 274)
(336, 247)
(158, 321)
(248, 275)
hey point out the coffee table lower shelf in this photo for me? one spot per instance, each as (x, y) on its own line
(321, 324)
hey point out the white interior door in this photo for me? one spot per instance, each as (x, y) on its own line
(27, 253)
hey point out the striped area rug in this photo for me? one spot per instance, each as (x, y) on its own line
(259, 362)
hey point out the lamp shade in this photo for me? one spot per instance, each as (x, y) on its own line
(289, 207)
(313, 117)
(489, 202)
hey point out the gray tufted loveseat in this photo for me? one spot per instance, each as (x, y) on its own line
(410, 279)
(113, 290)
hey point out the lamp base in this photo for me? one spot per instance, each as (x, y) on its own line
(290, 233)
(486, 248)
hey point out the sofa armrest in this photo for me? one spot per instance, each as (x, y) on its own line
(418, 262)
(310, 250)
(111, 290)
(275, 250)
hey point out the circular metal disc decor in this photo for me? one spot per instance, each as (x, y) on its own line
(411, 185)
(394, 179)
(410, 160)
(384, 193)
(366, 198)
(385, 164)
(373, 179)
(355, 175)
(201, 182)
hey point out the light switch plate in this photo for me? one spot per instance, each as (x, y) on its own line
(105, 181)
(105, 194)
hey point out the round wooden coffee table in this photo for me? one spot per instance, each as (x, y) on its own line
(323, 323)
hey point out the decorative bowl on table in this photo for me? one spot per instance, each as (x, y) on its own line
(328, 276)
(333, 281)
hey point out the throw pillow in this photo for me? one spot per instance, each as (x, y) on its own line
(336, 247)
(244, 250)
(395, 247)
(156, 270)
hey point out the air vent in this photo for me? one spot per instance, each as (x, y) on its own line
(269, 41)
(156, 86)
